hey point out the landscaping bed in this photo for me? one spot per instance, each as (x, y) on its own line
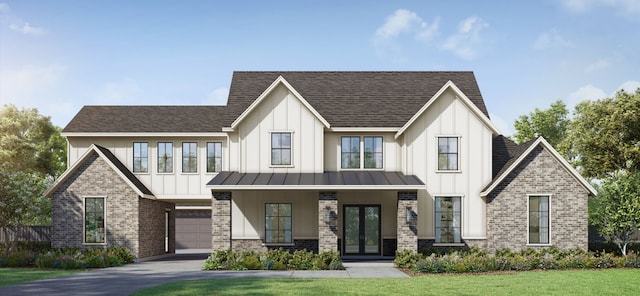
(273, 260)
(66, 258)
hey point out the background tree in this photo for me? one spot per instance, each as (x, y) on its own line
(617, 210)
(550, 123)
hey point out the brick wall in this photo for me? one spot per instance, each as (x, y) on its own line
(221, 221)
(327, 233)
(539, 173)
(152, 227)
(407, 233)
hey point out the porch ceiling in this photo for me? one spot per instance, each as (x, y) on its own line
(348, 180)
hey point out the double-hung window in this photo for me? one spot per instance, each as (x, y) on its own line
(94, 222)
(539, 219)
(281, 148)
(369, 157)
(448, 156)
(448, 219)
(165, 157)
(277, 225)
(214, 157)
(189, 157)
(140, 157)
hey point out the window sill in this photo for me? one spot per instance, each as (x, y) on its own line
(141, 173)
(361, 169)
(449, 245)
(539, 245)
(448, 171)
(190, 173)
(281, 166)
(278, 244)
(165, 173)
(94, 244)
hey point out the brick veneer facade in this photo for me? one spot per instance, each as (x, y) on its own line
(221, 221)
(539, 173)
(407, 232)
(327, 232)
(131, 221)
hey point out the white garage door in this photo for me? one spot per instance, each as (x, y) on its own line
(193, 229)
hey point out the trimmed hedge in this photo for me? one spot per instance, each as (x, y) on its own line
(69, 258)
(273, 260)
(475, 260)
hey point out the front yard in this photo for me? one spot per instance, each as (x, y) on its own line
(14, 276)
(567, 282)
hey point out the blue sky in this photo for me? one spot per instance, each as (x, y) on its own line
(60, 55)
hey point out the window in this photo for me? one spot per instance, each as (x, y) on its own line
(189, 157)
(94, 224)
(372, 152)
(165, 157)
(448, 153)
(214, 157)
(448, 218)
(538, 219)
(280, 148)
(277, 225)
(352, 154)
(140, 157)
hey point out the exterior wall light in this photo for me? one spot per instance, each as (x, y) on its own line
(411, 215)
(329, 217)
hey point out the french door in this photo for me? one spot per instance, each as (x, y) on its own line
(361, 230)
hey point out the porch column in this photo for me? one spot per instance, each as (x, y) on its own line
(327, 232)
(407, 231)
(221, 220)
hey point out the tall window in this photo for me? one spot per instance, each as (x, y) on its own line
(94, 224)
(165, 157)
(350, 147)
(189, 157)
(214, 157)
(538, 219)
(372, 152)
(140, 157)
(280, 148)
(277, 225)
(448, 219)
(448, 153)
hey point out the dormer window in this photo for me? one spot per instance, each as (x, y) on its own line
(281, 148)
(361, 152)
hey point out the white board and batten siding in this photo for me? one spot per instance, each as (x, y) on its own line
(391, 150)
(450, 116)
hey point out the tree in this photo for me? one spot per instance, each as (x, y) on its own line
(605, 135)
(617, 211)
(550, 123)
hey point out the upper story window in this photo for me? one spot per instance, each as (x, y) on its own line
(448, 156)
(281, 148)
(539, 219)
(189, 157)
(140, 157)
(214, 157)
(353, 157)
(165, 157)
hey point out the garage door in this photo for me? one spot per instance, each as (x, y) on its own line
(193, 229)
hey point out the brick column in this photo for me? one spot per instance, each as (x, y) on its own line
(327, 233)
(221, 221)
(407, 232)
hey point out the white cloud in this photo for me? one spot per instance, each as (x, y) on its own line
(629, 86)
(587, 92)
(27, 29)
(113, 93)
(622, 6)
(402, 22)
(465, 42)
(551, 40)
(596, 66)
(4, 8)
(218, 96)
(502, 125)
(23, 83)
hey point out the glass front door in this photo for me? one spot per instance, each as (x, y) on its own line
(361, 230)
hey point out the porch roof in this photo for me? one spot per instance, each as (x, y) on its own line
(347, 180)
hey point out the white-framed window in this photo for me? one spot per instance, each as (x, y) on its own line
(140, 157)
(361, 152)
(95, 224)
(165, 157)
(277, 225)
(214, 157)
(189, 157)
(448, 153)
(448, 216)
(539, 218)
(281, 148)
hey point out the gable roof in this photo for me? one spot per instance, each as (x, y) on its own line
(518, 153)
(147, 119)
(113, 162)
(354, 99)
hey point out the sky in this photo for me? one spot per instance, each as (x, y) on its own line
(57, 56)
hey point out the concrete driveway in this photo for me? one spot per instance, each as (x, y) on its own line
(124, 280)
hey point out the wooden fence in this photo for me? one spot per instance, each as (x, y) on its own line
(28, 233)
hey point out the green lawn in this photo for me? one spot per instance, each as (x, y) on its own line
(570, 282)
(14, 276)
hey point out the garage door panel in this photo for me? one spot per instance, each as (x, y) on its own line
(193, 229)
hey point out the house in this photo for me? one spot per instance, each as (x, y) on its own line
(364, 163)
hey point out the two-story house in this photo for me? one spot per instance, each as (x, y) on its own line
(364, 163)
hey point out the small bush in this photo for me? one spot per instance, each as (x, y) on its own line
(272, 260)
(406, 258)
(19, 259)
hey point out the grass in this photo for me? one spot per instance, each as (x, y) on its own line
(14, 276)
(567, 282)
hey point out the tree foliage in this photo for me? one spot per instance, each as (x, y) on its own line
(605, 135)
(617, 211)
(550, 123)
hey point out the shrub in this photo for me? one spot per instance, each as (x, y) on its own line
(19, 259)
(407, 258)
(272, 260)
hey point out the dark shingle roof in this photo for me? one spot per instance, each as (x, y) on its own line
(505, 153)
(126, 172)
(98, 119)
(355, 99)
(366, 178)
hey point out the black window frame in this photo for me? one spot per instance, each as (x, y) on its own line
(190, 156)
(216, 156)
(281, 149)
(287, 233)
(165, 159)
(94, 220)
(446, 154)
(140, 157)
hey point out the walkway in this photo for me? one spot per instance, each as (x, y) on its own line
(124, 280)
